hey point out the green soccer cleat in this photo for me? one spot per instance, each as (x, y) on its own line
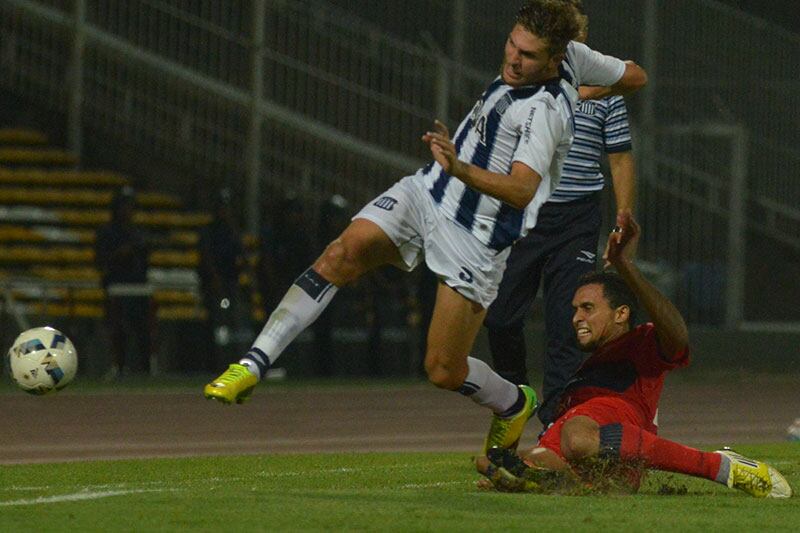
(755, 477)
(505, 432)
(234, 385)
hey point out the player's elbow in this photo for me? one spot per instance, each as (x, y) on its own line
(634, 78)
(679, 346)
(524, 193)
(524, 184)
(522, 200)
(674, 344)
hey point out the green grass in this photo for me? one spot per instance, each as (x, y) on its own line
(399, 492)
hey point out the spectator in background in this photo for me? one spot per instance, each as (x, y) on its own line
(221, 258)
(285, 245)
(121, 254)
(334, 216)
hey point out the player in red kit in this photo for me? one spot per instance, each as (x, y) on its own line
(609, 407)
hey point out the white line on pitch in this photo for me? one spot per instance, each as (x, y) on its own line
(260, 474)
(78, 496)
(430, 485)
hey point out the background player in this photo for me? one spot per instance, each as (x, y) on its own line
(562, 247)
(461, 213)
(609, 406)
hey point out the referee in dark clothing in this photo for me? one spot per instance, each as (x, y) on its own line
(560, 249)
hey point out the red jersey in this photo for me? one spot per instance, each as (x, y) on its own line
(631, 368)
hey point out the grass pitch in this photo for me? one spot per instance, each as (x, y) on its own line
(375, 492)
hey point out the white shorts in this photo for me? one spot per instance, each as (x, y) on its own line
(412, 220)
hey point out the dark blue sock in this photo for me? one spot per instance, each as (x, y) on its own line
(259, 359)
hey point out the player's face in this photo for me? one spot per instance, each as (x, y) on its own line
(526, 60)
(594, 321)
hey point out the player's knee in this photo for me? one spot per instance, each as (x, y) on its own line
(338, 263)
(579, 440)
(577, 446)
(443, 375)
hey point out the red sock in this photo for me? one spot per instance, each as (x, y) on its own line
(632, 442)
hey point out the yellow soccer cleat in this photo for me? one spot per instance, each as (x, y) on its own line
(234, 385)
(755, 477)
(505, 432)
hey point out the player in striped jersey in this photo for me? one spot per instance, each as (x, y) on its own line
(460, 214)
(562, 248)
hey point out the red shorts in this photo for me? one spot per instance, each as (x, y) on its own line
(602, 409)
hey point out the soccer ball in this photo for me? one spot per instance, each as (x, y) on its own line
(42, 360)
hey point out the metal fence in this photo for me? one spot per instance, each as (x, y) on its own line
(323, 97)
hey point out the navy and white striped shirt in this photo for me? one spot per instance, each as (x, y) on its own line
(533, 125)
(528, 124)
(601, 126)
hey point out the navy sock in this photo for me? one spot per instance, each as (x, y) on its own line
(258, 359)
(610, 440)
(517, 407)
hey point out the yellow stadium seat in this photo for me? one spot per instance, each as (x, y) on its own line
(21, 136)
(58, 178)
(36, 156)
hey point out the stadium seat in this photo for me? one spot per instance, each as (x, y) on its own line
(21, 136)
(49, 216)
(52, 234)
(61, 178)
(32, 157)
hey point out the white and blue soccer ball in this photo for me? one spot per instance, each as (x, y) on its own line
(42, 360)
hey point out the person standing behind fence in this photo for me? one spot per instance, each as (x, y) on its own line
(285, 246)
(562, 248)
(121, 254)
(334, 216)
(221, 258)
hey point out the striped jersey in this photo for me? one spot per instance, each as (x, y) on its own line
(601, 126)
(533, 125)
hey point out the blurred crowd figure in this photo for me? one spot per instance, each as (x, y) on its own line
(333, 217)
(222, 258)
(121, 255)
(285, 246)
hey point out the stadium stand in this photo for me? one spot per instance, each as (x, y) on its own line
(49, 212)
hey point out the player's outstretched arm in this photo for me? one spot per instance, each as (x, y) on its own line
(623, 175)
(673, 336)
(633, 78)
(516, 192)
